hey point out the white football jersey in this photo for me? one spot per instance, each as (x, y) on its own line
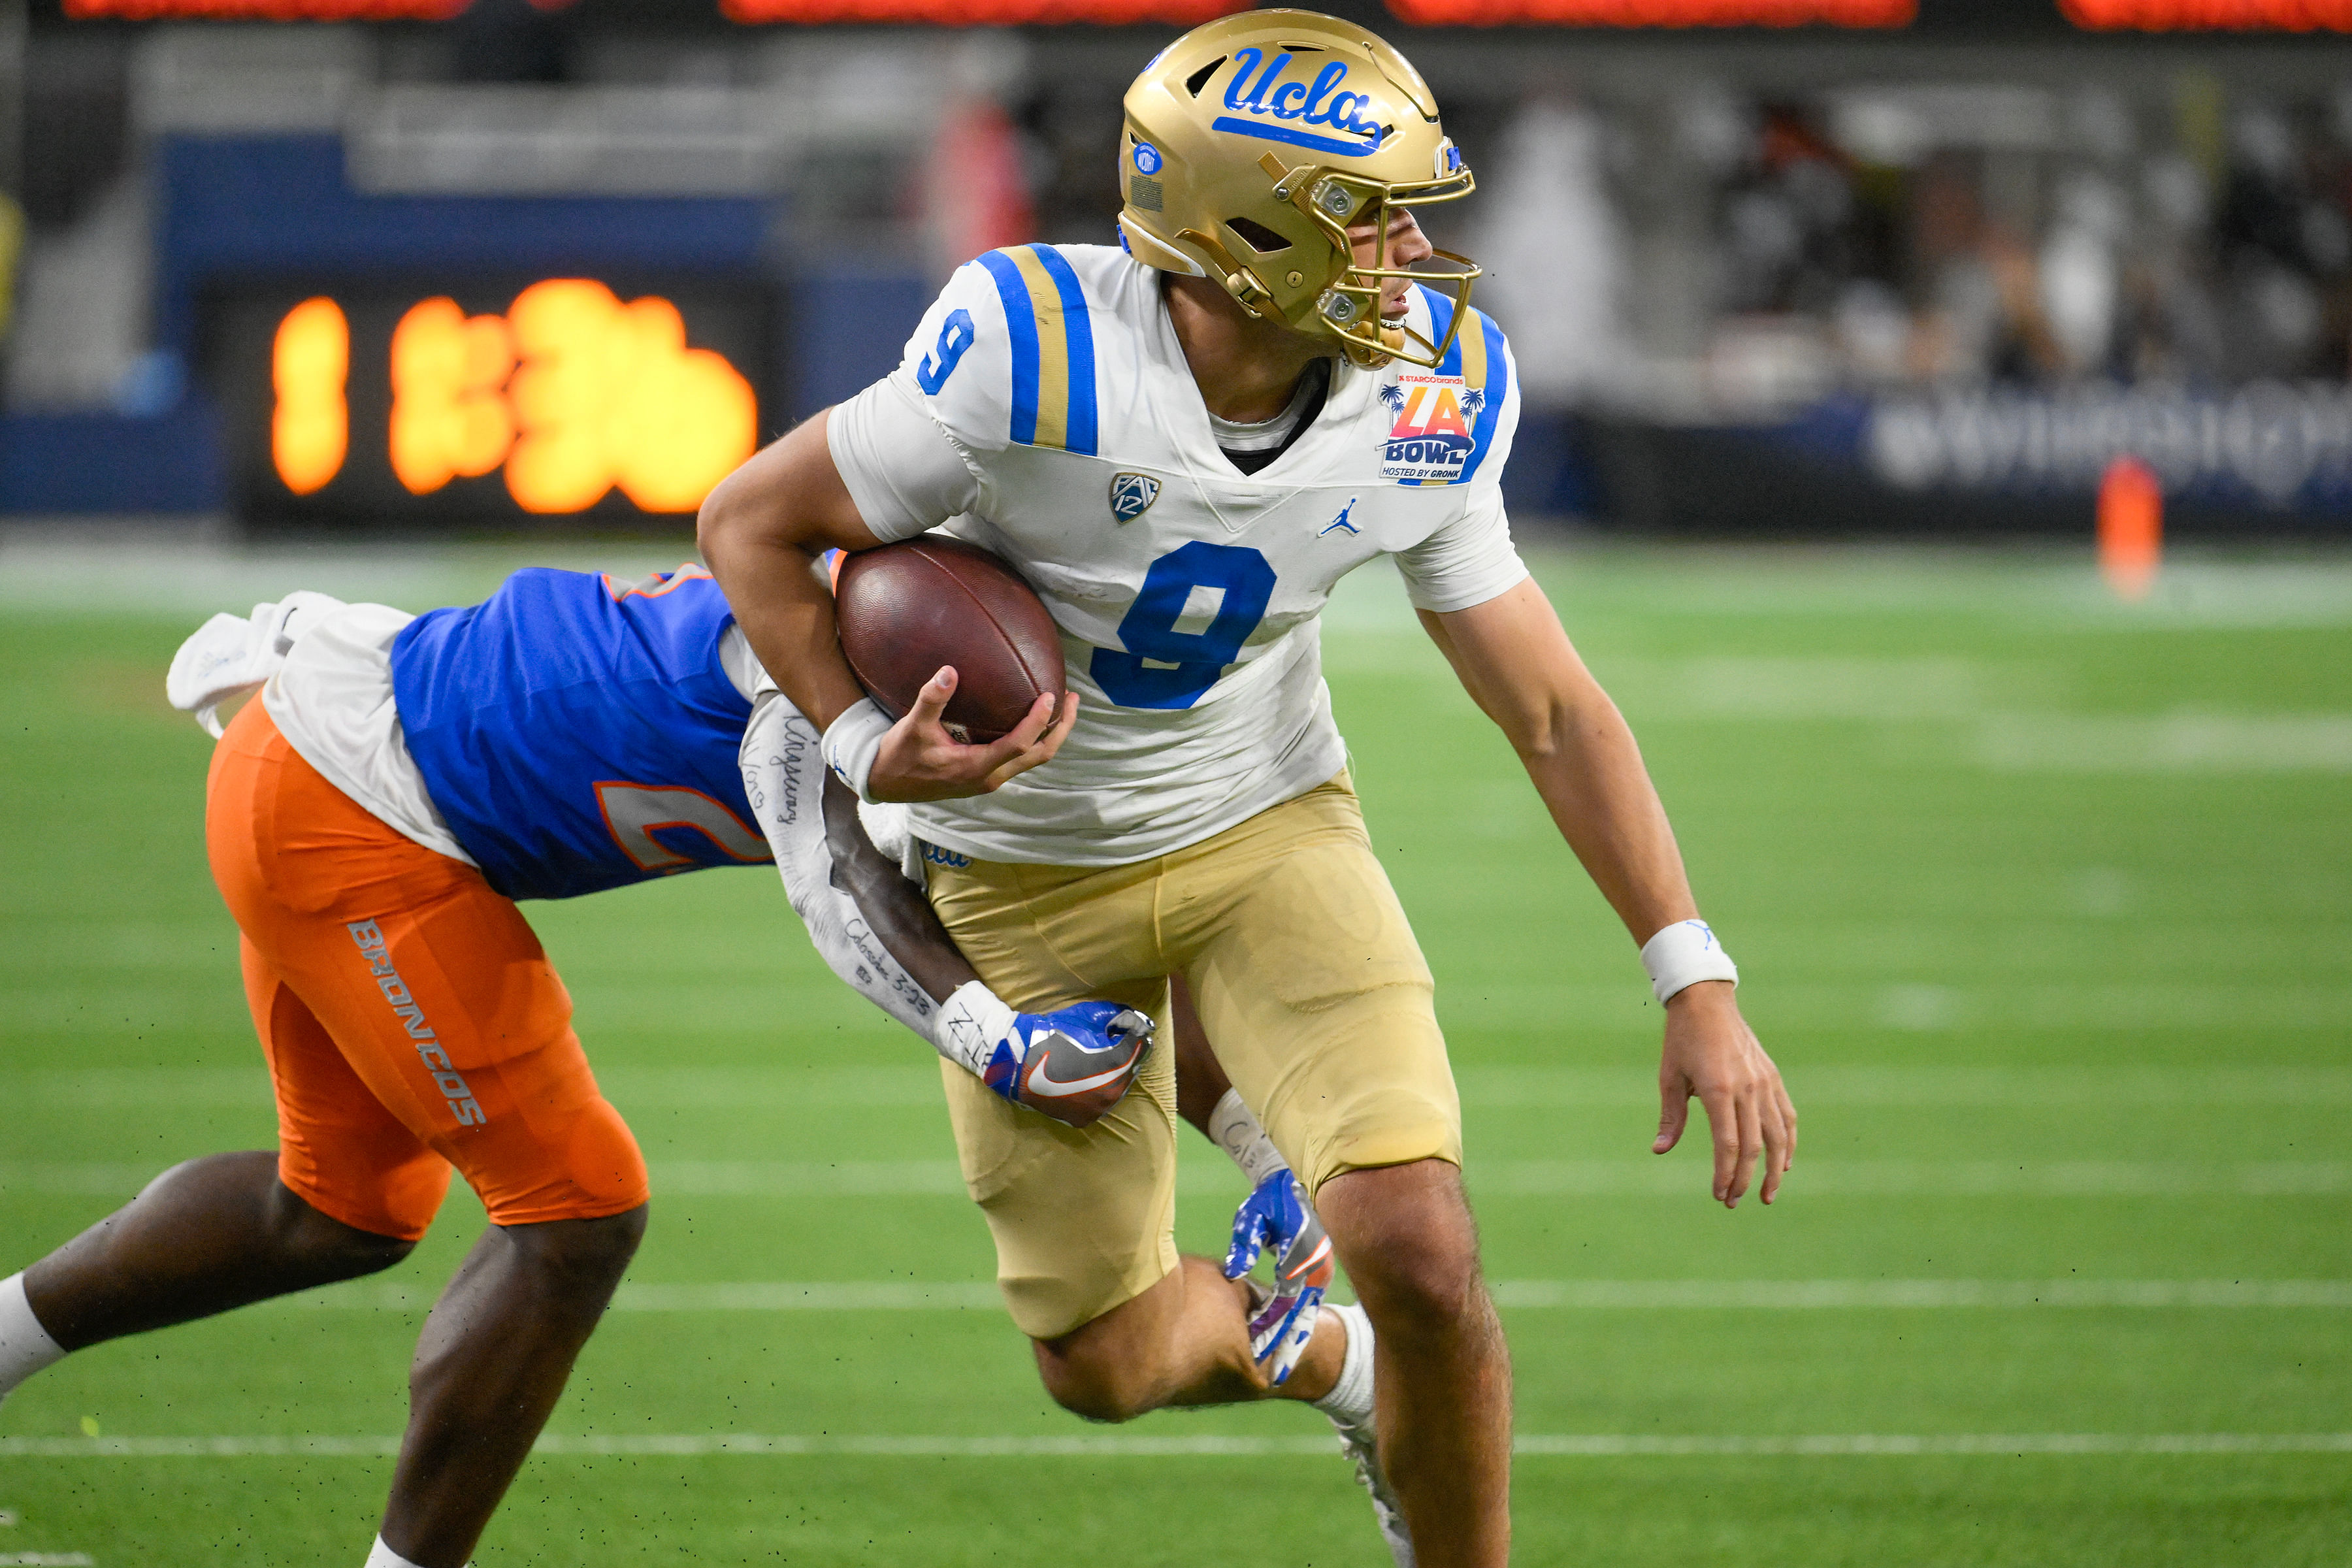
(1077, 447)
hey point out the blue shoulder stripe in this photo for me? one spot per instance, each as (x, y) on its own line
(1498, 390)
(1477, 355)
(1441, 316)
(1079, 430)
(1021, 322)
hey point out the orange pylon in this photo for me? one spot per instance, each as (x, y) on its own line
(2131, 527)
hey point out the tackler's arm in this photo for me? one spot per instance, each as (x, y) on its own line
(875, 929)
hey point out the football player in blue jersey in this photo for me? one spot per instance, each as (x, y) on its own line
(371, 822)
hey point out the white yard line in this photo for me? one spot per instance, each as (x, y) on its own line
(1606, 1445)
(1896, 1295)
(2186, 742)
(1489, 1179)
(1579, 1295)
(747, 1089)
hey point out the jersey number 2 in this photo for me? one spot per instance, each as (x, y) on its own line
(1163, 667)
(957, 336)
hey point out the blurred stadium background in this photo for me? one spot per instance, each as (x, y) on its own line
(1930, 272)
(2045, 895)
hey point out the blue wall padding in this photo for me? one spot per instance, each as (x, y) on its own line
(262, 205)
(848, 330)
(112, 462)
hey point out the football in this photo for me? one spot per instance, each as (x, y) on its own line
(905, 609)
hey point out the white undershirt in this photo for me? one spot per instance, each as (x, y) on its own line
(333, 703)
(1268, 434)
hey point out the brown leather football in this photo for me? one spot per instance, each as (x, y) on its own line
(905, 609)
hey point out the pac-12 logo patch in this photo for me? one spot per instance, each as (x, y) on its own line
(1147, 158)
(1429, 431)
(1131, 495)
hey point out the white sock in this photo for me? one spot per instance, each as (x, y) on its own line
(383, 1556)
(1350, 1399)
(1237, 1132)
(25, 1346)
(972, 1020)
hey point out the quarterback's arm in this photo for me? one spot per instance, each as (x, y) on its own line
(1515, 659)
(760, 531)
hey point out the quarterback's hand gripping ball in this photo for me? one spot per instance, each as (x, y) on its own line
(1072, 1065)
(1278, 1217)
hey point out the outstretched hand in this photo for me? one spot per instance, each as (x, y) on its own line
(1713, 1056)
(919, 760)
(1276, 1217)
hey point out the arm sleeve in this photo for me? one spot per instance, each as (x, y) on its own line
(1466, 562)
(784, 777)
(904, 471)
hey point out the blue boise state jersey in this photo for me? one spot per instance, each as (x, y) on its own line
(580, 733)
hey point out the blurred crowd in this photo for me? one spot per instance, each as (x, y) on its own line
(2207, 245)
(1704, 232)
(1715, 251)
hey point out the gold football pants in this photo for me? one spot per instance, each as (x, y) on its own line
(1309, 984)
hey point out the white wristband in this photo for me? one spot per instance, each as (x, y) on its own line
(851, 741)
(1683, 954)
(970, 1021)
(1235, 1130)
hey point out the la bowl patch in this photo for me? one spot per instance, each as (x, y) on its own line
(1430, 418)
(1131, 495)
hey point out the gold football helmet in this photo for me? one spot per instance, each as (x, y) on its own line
(1255, 141)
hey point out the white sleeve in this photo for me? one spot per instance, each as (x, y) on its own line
(784, 777)
(1468, 561)
(904, 471)
(914, 448)
(227, 654)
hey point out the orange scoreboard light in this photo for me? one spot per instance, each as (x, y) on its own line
(558, 397)
(1658, 13)
(982, 12)
(265, 10)
(2210, 15)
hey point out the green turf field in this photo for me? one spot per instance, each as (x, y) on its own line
(2045, 907)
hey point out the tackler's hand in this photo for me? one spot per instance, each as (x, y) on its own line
(1278, 1218)
(1073, 1064)
(919, 760)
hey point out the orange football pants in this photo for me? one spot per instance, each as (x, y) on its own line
(410, 1017)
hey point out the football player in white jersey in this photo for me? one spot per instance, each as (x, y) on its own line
(1183, 443)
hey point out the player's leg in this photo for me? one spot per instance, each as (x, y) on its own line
(1441, 1369)
(492, 1361)
(1307, 977)
(453, 1026)
(1083, 1219)
(225, 1230)
(500, 1088)
(1186, 1340)
(208, 1234)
